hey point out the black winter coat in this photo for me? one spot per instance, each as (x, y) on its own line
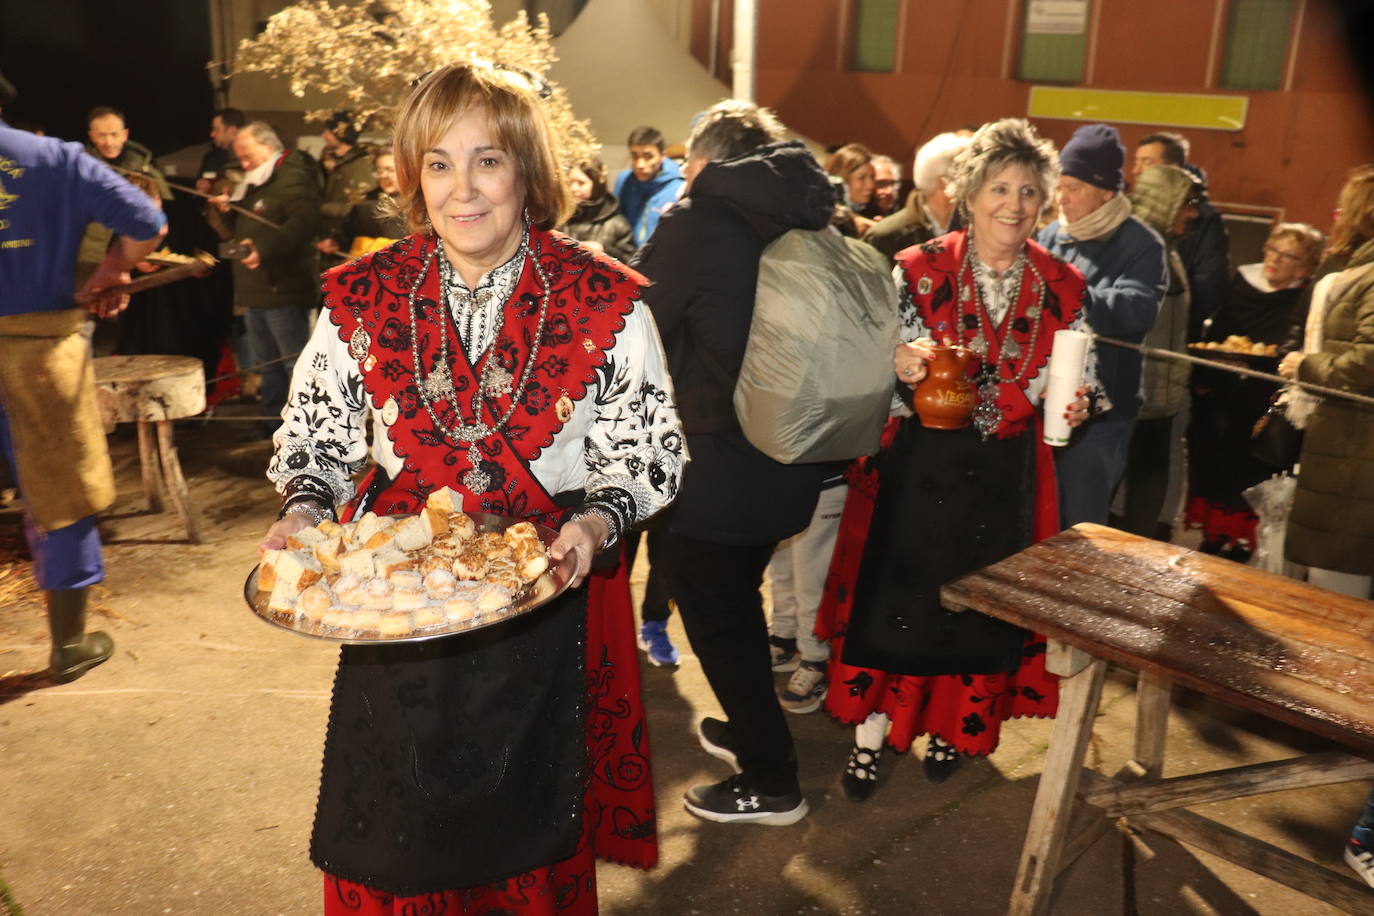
(601, 221)
(289, 273)
(703, 261)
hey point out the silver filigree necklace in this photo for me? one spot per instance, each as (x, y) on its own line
(436, 386)
(987, 415)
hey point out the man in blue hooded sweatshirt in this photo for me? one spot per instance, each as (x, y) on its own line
(650, 186)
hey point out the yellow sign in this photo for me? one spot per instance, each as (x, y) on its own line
(1165, 109)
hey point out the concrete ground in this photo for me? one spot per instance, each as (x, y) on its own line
(180, 776)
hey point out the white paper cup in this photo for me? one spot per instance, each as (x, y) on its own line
(1059, 394)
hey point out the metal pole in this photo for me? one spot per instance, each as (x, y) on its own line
(714, 57)
(1236, 370)
(745, 71)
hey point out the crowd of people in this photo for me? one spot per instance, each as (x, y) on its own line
(564, 348)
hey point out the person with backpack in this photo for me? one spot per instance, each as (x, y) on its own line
(746, 187)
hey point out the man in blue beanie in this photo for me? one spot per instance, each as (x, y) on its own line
(1125, 264)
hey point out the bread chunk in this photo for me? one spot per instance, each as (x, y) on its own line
(445, 500)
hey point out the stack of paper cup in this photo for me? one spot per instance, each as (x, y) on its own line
(1066, 377)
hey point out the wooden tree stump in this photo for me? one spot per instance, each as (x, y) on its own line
(152, 391)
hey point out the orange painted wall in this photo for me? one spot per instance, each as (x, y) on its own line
(955, 60)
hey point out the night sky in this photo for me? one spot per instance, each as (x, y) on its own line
(146, 58)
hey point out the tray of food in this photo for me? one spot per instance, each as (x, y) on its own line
(1237, 346)
(406, 578)
(165, 257)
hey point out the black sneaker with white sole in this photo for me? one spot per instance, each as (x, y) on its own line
(733, 800)
(714, 737)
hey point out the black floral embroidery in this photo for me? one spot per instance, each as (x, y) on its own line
(859, 684)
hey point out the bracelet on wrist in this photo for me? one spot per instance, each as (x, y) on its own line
(612, 524)
(310, 507)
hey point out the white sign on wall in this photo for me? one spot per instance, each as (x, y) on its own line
(1057, 17)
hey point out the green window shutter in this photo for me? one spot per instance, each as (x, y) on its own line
(875, 35)
(1054, 41)
(1256, 44)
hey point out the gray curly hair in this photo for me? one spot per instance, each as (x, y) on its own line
(732, 128)
(996, 145)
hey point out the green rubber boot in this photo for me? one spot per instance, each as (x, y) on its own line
(74, 651)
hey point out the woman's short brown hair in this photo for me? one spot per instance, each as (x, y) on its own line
(848, 159)
(1306, 238)
(517, 120)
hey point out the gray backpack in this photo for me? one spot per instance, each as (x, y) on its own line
(816, 383)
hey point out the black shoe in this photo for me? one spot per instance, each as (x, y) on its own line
(714, 737)
(860, 773)
(733, 800)
(942, 761)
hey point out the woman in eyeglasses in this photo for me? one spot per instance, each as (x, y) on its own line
(1226, 406)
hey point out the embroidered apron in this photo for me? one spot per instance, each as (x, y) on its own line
(976, 501)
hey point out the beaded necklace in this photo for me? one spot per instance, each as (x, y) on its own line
(987, 416)
(437, 385)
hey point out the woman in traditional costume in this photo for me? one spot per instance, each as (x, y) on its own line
(481, 773)
(936, 504)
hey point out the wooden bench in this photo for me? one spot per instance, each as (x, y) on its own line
(1276, 646)
(152, 391)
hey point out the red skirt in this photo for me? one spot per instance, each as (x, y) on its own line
(619, 809)
(965, 710)
(566, 888)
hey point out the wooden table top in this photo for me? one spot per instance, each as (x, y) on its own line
(1264, 642)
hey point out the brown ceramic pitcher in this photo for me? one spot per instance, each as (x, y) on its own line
(945, 398)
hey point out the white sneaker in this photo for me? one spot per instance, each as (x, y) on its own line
(1360, 858)
(805, 689)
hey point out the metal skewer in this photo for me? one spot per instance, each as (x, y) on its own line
(176, 187)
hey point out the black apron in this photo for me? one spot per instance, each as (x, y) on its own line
(483, 729)
(948, 503)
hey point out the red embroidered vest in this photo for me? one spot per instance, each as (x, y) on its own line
(941, 288)
(589, 297)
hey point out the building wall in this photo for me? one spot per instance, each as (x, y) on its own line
(955, 66)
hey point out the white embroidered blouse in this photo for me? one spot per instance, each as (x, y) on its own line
(624, 436)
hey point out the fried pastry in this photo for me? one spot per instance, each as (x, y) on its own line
(315, 602)
(350, 590)
(397, 623)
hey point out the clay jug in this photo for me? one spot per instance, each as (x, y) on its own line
(945, 398)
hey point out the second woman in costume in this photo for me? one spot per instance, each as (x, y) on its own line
(945, 503)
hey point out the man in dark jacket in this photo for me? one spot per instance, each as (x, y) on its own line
(745, 188)
(350, 179)
(276, 280)
(1204, 248)
(1125, 264)
(109, 142)
(928, 212)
